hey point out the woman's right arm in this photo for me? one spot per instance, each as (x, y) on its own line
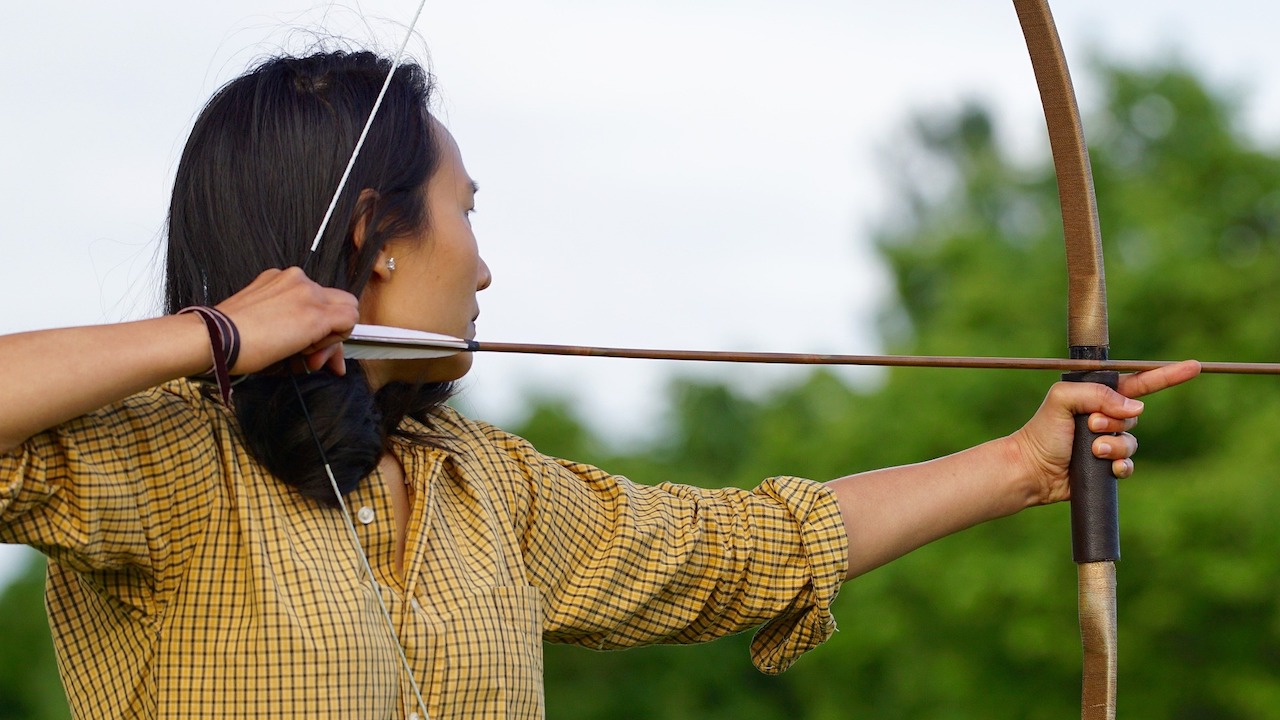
(52, 376)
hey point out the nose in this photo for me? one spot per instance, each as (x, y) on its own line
(485, 278)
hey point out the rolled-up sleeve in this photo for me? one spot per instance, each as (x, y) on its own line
(621, 564)
(106, 490)
(824, 544)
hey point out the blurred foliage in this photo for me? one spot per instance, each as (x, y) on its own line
(29, 684)
(982, 624)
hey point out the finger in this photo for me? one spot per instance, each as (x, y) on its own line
(344, 313)
(325, 358)
(327, 342)
(1101, 423)
(1115, 447)
(1122, 468)
(337, 363)
(1150, 381)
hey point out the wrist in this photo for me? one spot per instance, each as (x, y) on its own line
(1023, 481)
(224, 341)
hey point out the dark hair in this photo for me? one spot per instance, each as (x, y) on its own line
(255, 178)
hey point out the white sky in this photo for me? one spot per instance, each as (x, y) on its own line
(669, 173)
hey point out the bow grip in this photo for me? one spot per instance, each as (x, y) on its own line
(1095, 507)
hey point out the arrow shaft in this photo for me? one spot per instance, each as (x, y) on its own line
(920, 361)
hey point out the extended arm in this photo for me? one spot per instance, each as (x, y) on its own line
(888, 513)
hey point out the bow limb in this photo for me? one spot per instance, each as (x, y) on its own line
(1094, 507)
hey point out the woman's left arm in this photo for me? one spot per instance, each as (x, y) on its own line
(888, 513)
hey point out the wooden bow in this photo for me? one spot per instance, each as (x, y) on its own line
(1094, 508)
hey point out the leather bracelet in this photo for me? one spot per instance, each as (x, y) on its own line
(225, 341)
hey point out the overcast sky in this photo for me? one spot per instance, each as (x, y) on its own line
(670, 173)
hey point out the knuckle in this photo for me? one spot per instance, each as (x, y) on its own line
(1059, 391)
(1102, 393)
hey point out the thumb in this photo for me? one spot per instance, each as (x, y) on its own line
(1087, 398)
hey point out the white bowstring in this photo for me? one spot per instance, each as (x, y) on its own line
(346, 173)
(364, 559)
(324, 224)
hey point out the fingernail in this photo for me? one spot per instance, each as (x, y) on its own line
(1131, 404)
(1104, 448)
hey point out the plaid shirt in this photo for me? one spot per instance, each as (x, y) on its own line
(187, 582)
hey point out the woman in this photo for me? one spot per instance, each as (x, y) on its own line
(198, 564)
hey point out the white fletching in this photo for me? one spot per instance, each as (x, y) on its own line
(381, 342)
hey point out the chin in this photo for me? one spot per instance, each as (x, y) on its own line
(454, 367)
(418, 372)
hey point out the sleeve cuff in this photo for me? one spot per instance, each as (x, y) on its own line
(779, 643)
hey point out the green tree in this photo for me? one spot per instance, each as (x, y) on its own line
(29, 684)
(983, 624)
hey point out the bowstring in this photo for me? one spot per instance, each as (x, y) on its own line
(364, 132)
(364, 559)
(333, 482)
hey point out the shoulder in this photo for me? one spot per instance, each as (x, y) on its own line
(465, 437)
(512, 461)
(482, 454)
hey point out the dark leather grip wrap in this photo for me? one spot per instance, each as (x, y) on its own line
(1095, 508)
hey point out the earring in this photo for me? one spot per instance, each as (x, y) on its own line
(391, 263)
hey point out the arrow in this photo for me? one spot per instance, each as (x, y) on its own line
(380, 342)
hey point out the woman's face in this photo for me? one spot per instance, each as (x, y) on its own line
(436, 277)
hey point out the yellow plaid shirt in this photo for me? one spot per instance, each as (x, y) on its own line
(186, 582)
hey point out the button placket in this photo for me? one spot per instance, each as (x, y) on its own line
(421, 467)
(371, 514)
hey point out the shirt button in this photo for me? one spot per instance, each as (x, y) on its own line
(365, 515)
(413, 716)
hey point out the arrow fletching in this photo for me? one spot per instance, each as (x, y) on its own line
(381, 342)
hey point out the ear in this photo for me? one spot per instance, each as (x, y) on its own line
(360, 228)
(381, 270)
